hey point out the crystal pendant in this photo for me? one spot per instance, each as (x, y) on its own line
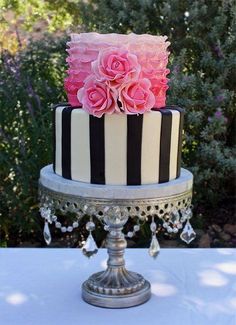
(47, 234)
(90, 248)
(175, 216)
(188, 212)
(154, 248)
(188, 234)
(153, 226)
(46, 213)
(113, 215)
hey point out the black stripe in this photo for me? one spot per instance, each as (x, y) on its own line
(66, 142)
(165, 143)
(54, 137)
(134, 145)
(181, 123)
(97, 149)
(177, 108)
(54, 108)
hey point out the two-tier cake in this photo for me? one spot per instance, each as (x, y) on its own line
(116, 128)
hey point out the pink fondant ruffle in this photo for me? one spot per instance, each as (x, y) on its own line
(151, 52)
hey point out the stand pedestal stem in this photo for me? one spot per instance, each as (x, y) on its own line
(116, 287)
(116, 245)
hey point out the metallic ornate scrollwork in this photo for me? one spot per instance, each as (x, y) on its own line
(141, 208)
(117, 287)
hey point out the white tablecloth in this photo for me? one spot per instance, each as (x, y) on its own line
(189, 287)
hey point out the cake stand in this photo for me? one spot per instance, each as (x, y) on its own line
(168, 203)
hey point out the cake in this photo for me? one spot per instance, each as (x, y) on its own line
(115, 128)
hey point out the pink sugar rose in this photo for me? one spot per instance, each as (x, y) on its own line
(71, 87)
(136, 97)
(117, 66)
(97, 98)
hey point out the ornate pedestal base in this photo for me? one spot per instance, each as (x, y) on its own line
(117, 301)
(116, 287)
(118, 297)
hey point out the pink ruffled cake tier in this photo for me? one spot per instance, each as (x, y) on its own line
(151, 52)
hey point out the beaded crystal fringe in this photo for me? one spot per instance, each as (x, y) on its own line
(172, 222)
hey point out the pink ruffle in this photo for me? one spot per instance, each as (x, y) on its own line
(147, 56)
(71, 87)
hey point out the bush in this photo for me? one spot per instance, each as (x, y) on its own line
(33, 80)
(203, 80)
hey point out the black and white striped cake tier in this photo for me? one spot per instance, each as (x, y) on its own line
(117, 149)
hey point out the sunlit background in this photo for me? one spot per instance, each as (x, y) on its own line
(33, 36)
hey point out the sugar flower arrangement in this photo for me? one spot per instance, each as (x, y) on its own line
(114, 73)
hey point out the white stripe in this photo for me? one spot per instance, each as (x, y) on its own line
(174, 144)
(150, 147)
(116, 149)
(58, 128)
(80, 146)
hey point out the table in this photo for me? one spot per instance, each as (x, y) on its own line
(189, 287)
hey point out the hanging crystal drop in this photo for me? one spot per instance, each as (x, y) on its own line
(188, 212)
(47, 234)
(154, 248)
(153, 225)
(46, 213)
(188, 234)
(174, 218)
(179, 225)
(90, 248)
(90, 226)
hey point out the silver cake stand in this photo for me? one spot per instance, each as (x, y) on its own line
(168, 203)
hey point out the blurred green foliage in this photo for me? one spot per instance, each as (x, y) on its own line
(57, 14)
(30, 82)
(203, 81)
